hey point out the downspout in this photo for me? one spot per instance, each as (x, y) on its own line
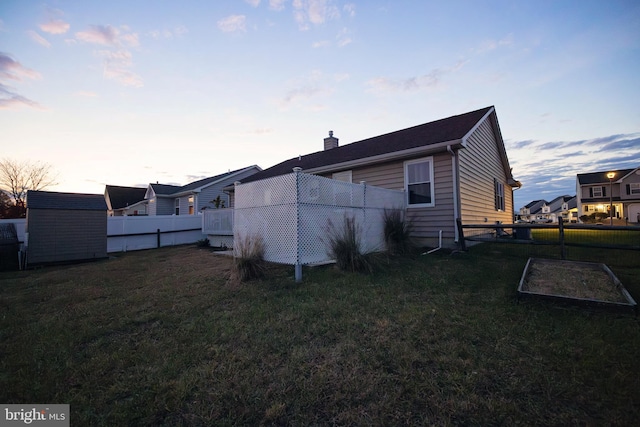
(456, 181)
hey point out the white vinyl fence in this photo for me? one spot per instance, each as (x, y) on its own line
(293, 214)
(132, 233)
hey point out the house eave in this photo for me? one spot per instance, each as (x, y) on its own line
(387, 157)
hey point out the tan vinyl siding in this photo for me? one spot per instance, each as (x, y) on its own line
(479, 164)
(427, 221)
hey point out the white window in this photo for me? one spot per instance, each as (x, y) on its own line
(344, 176)
(634, 188)
(418, 179)
(177, 206)
(597, 192)
(499, 195)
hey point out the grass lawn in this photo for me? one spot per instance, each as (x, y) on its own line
(161, 337)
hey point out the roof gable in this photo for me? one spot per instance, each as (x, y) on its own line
(121, 197)
(452, 129)
(65, 201)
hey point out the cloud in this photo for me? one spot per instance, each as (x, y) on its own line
(55, 26)
(276, 4)
(12, 70)
(432, 80)
(232, 23)
(117, 66)
(490, 45)
(314, 12)
(106, 35)
(168, 34)
(254, 3)
(10, 100)
(314, 86)
(38, 38)
(350, 9)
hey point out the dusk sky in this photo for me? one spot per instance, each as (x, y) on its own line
(133, 92)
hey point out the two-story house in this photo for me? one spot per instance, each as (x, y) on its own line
(615, 191)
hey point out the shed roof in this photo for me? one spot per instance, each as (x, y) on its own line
(65, 201)
(444, 130)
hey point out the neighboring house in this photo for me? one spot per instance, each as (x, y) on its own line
(122, 201)
(532, 211)
(192, 198)
(564, 207)
(64, 227)
(450, 168)
(596, 193)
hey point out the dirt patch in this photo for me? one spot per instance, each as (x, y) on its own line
(571, 279)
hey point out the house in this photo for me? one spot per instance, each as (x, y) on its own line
(564, 207)
(125, 200)
(451, 168)
(192, 198)
(532, 212)
(64, 227)
(615, 191)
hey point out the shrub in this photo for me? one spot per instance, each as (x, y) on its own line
(249, 258)
(203, 243)
(345, 247)
(397, 231)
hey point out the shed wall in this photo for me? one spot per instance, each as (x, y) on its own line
(66, 235)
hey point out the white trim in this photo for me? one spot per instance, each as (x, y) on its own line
(428, 160)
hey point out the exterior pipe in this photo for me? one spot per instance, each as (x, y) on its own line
(454, 174)
(439, 244)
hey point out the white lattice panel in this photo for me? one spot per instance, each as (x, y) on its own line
(294, 214)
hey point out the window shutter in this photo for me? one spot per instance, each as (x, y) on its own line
(590, 192)
(628, 189)
(604, 191)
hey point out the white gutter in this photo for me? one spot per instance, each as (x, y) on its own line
(456, 200)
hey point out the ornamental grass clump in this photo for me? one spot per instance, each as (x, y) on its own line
(345, 247)
(397, 232)
(249, 261)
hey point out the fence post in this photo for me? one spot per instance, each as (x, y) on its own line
(563, 249)
(158, 238)
(463, 245)
(298, 265)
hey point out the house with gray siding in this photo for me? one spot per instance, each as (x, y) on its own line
(451, 168)
(125, 200)
(194, 197)
(620, 194)
(64, 227)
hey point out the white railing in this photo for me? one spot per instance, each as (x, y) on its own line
(217, 222)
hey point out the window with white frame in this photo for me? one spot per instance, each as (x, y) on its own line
(177, 206)
(191, 205)
(499, 195)
(634, 188)
(418, 178)
(597, 192)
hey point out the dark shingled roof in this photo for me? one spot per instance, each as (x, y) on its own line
(65, 201)
(165, 189)
(121, 197)
(601, 177)
(443, 130)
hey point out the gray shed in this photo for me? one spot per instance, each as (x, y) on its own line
(65, 227)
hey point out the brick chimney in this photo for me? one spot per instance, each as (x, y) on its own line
(330, 142)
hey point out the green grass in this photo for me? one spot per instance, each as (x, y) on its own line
(162, 337)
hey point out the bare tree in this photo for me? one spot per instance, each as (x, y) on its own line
(16, 178)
